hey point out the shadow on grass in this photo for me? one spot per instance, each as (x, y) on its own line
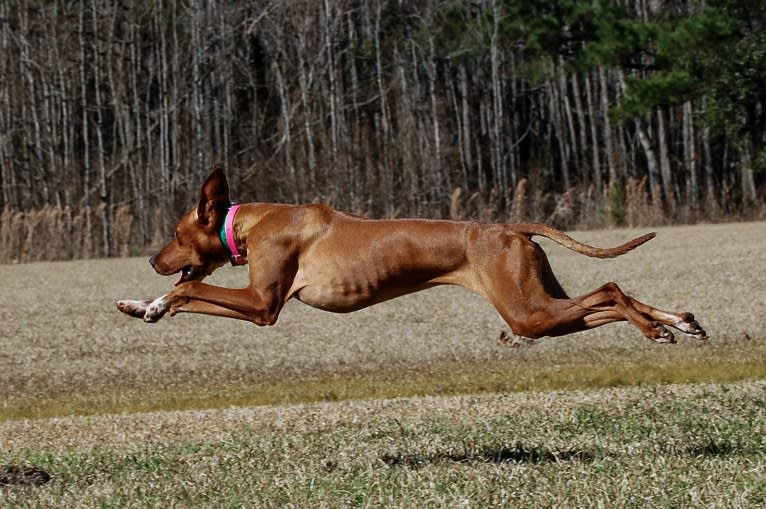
(522, 454)
(519, 453)
(716, 448)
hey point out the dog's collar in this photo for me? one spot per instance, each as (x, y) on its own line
(227, 237)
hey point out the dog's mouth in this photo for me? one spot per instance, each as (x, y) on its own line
(186, 274)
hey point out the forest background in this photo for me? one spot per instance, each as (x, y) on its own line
(582, 114)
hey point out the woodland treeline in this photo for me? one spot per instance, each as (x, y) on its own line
(580, 114)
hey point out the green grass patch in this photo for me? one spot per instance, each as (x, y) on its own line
(692, 445)
(436, 379)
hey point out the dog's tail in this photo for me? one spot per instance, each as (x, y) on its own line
(568, 242)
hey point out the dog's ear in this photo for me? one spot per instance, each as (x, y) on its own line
(214, 198)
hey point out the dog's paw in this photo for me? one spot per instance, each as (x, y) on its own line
(134, 308)
(660, 334)
(688, 325)
(156, 310)
(514, 341)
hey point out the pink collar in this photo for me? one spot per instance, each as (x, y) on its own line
(227, 237)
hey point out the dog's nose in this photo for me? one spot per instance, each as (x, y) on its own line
(152, 260)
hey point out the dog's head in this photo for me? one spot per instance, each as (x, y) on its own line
(196, 249)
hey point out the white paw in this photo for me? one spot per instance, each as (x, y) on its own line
(156, 309)
(135, 308)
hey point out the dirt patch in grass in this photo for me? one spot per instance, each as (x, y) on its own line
(23, 475)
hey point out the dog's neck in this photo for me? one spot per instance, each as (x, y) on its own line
(227, 237)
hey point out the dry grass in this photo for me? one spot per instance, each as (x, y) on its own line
(52, 233)
(64, 349)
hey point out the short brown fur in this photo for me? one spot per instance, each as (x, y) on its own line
(339, 262)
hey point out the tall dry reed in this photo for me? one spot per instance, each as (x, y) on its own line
(52, 233)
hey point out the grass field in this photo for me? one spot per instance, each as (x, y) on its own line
(590, 419)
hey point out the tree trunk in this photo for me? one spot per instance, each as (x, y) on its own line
(690, 156)
(747, 179)
(711, 200)
(594, 144)
(389, 201)
(559, 132)
(306, 80)
(328, 29)
(437, 171)
(102, 178)
(607, 125)
(500, 181)
(665, 169)
(286, 141)
(466, 116)
(581, 143)
(85, 201)
(651, 163)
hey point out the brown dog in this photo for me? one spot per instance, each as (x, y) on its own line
(340, 262)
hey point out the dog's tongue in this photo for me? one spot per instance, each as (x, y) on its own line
(185, 274)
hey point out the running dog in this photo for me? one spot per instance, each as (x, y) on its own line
(340, 262)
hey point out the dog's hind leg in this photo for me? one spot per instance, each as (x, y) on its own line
(520, 284)
(557, 317)
(683, 321)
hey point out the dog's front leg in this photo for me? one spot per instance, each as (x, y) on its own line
(260, 307)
